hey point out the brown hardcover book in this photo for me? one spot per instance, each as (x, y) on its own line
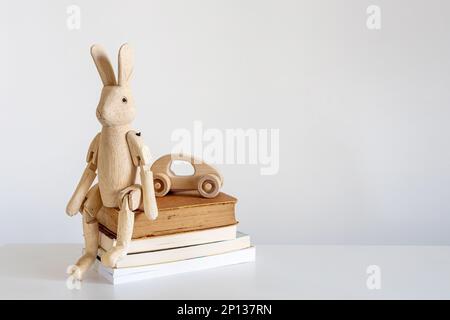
(178, 212)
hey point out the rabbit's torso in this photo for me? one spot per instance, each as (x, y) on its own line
(115, 166)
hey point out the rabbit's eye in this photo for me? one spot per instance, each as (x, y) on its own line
(124, 100)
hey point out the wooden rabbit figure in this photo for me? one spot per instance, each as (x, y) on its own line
(115, 154)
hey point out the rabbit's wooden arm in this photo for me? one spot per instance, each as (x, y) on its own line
(141, 158)
(86, 180)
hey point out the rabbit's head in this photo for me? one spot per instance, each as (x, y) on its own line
(116, 106)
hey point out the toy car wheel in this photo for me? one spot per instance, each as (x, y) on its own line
(209, 186)
(162, 184)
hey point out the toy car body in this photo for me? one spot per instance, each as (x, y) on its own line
(206, 179)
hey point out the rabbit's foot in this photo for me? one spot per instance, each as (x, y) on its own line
(74, 279)
(111, 257)
(77, 271)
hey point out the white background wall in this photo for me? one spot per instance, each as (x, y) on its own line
(363, 115)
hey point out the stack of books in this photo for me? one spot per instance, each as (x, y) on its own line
(191, 233)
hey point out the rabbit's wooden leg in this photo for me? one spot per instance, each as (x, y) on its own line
(89, 209)
(124, 234)
(90, 231)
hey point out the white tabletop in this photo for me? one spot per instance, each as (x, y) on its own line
(280, 272)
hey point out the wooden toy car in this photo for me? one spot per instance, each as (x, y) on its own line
(206, 179)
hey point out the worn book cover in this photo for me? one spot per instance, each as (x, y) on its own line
(178, 212)
(181, 239)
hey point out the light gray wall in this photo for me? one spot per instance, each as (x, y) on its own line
(363, 114)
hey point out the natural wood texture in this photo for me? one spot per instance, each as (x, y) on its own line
(140, 154)
(91, 240)
(110, 155)
(91, 155)
(103, 65)
(179, 212)
(206, 179)
(92, 204)
(116, 170)
(124, 232)
(87, 178)
(134, 194)
(149, 203)
(81, 190)
(141, 157)
(126, 64)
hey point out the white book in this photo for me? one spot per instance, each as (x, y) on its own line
(241, 241)
(173, 240)
(119, 276)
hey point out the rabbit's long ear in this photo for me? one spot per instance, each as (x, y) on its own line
(126, 64)
(103, 65)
